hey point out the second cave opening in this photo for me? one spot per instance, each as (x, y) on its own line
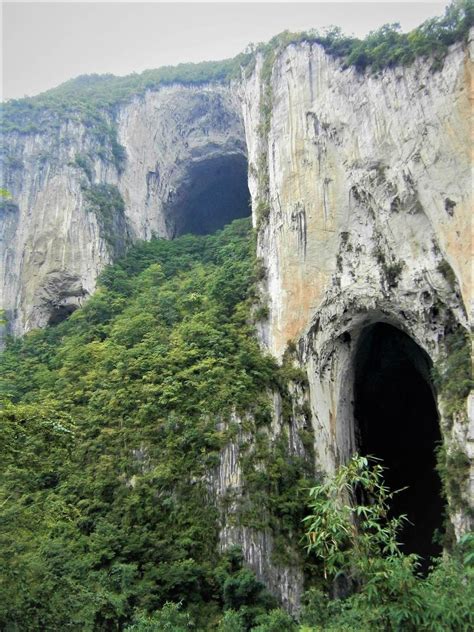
(59, 313)
(397, 422)
(214, 193)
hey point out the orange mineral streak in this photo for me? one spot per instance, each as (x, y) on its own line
(458, 231)
(305, 273)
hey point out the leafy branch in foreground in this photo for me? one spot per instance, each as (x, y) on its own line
(346, 535)
(350, 531)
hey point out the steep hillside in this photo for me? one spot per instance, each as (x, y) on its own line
(153, 455)
(115, 442)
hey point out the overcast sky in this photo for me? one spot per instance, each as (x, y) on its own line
(46, 43)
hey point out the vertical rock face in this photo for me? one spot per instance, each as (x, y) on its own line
(51, 245)
(369, 220)
(228, 486)
(178, 141)
(365, 172)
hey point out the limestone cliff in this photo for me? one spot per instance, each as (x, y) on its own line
(366, 174)
(365, 216)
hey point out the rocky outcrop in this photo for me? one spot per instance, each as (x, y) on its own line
(283, 577)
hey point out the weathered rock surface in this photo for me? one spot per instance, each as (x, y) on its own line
(227, 484)
(364, 172)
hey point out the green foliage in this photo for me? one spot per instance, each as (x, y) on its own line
(107, 203)
(348, 536)
(84, 162)
(466, 545)
(388, 46)
(453, 466)
(232, 621)
(94, 98)
(384, 48)
(261, 313)
(358, 541)
(6, 202)
(262, 211)
(275, 621)
(110, 432)
(392, 268)
(170, 618)
(452, 374)
(246, 596)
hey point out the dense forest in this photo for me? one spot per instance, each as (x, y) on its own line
(111, 425)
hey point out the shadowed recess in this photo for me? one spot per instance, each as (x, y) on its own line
(397, 421)
(60, 313)
(214, 193)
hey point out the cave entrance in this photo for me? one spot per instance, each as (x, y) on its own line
(397, 421)
(213, 194)
(60, 313)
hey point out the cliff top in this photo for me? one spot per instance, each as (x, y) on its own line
(386, 47)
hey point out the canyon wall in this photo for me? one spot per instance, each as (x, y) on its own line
(361, 194)
(364, 216)
(53, 247)
(365, 172)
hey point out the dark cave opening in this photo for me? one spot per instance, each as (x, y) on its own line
(397, 421)
(61, 313)
(214, 193)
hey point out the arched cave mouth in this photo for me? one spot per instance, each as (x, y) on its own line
(397, 421)
(214, 193)
(60, 313)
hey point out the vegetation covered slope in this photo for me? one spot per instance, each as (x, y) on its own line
(110, 430)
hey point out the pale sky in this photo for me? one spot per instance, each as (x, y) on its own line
(46, 43)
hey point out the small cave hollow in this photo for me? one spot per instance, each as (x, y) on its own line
(214, 193)
(59, 313)
(396, 420)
